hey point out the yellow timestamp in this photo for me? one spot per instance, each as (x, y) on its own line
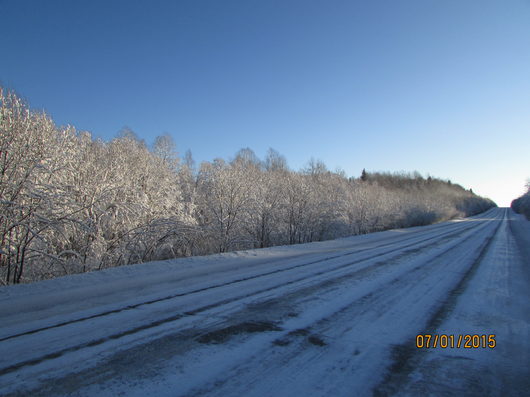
(444, 341)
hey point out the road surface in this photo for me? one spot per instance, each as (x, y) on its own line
(336, 318)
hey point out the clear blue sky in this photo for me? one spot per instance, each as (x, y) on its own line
(438, 86)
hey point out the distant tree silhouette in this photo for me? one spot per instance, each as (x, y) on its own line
(364, 176)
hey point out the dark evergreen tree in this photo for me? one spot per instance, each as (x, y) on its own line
(364, 176)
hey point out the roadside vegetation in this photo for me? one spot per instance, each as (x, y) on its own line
(521, 205)
(70, 203)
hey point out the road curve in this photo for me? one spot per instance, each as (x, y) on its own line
(333, 318)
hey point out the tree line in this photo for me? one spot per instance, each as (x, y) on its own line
(70, 203)
(521, 204)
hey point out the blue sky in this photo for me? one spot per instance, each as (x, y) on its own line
(441, 87)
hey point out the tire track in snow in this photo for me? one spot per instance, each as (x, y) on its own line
(406, 355)
(380, 300)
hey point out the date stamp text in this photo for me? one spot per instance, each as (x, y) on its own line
(448, 341)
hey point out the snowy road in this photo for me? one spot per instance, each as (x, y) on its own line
(336, 318)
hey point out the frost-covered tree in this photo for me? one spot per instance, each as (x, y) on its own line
(165, 148)
(274, 161)
(70, 203)
(224, 191)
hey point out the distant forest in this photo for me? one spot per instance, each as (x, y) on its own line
(70, 203)
(521, 205)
